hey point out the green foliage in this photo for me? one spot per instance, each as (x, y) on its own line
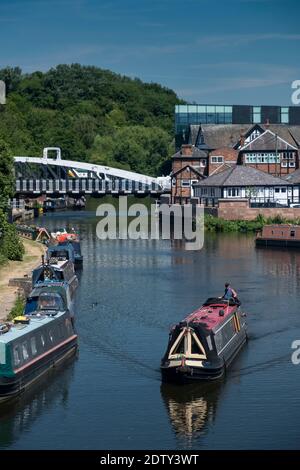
(215, 224)
(11, 246)
(92, 114)
(17, 309)
(6, 175)
(137, 148)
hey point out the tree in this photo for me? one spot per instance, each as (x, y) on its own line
(7, 181)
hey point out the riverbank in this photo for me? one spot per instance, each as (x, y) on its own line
(17, 269)
(216, 224)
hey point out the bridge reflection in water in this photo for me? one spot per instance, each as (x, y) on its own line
(191, 408)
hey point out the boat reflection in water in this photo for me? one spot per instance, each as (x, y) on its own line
(17, 416)
(191, 408)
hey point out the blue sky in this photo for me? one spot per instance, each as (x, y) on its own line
(208, 51)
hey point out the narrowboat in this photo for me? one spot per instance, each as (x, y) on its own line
(69, 241)
(70, 250)
(284, 235)
(56, 272)
(204, 344)
(29, 349)
(52, 204)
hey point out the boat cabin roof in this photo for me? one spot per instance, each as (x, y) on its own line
(212, 313)
(19, 330)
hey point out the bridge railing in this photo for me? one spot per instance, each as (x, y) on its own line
(84, 186)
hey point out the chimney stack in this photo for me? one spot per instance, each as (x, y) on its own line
(187, 150)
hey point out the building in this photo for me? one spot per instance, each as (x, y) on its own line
(201, 114)
(189, 165)
(244, 182)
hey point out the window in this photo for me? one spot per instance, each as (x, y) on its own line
(185, 183)
(203, 162)
(291, 164)
(33, 346)
(284, 164)
(2, 353)
(284, 115)
(217, 159)
(233, 192)
(224, 335)
(17, 358)
(277, 190)
(292, 233)
(256, 116)
(25, 351)
(203, 191)
(173, 181)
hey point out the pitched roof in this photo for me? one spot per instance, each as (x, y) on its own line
(293, 178)
(191, 167)
(241, 175)
(268, 141)
(197, 153)
(229, 135)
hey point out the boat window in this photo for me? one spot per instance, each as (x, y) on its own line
(33, 346)
(51, 336)
(292, 233)
(60, 254)
(210, 346)
(68, 325)
(17, 357)
(25, 351)
(225, 334)
(50, 301)
(2, 353)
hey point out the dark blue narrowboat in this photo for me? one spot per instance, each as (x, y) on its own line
(42, 339)
(58, 272)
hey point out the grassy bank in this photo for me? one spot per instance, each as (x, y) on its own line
(215, 224)
(17, 309)
(10, 304)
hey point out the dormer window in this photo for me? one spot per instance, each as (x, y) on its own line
(217, 159)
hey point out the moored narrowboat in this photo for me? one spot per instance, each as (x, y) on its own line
(204, 344)
(69, 250)
(29, 349)
(56, 272)
(284, 235)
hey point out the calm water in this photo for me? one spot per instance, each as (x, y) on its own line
(130, 293)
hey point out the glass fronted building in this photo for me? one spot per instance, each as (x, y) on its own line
(186, 115)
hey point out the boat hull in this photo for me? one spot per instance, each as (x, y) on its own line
(188, 374)
(14, 386)
(281, 243)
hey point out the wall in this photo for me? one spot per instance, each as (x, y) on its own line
(239, 209)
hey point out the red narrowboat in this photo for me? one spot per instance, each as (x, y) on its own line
(285, 235)
(204, 344)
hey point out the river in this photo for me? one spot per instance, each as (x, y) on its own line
(130, 292)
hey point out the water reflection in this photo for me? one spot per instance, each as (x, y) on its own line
(19, 415)
(191, 408)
